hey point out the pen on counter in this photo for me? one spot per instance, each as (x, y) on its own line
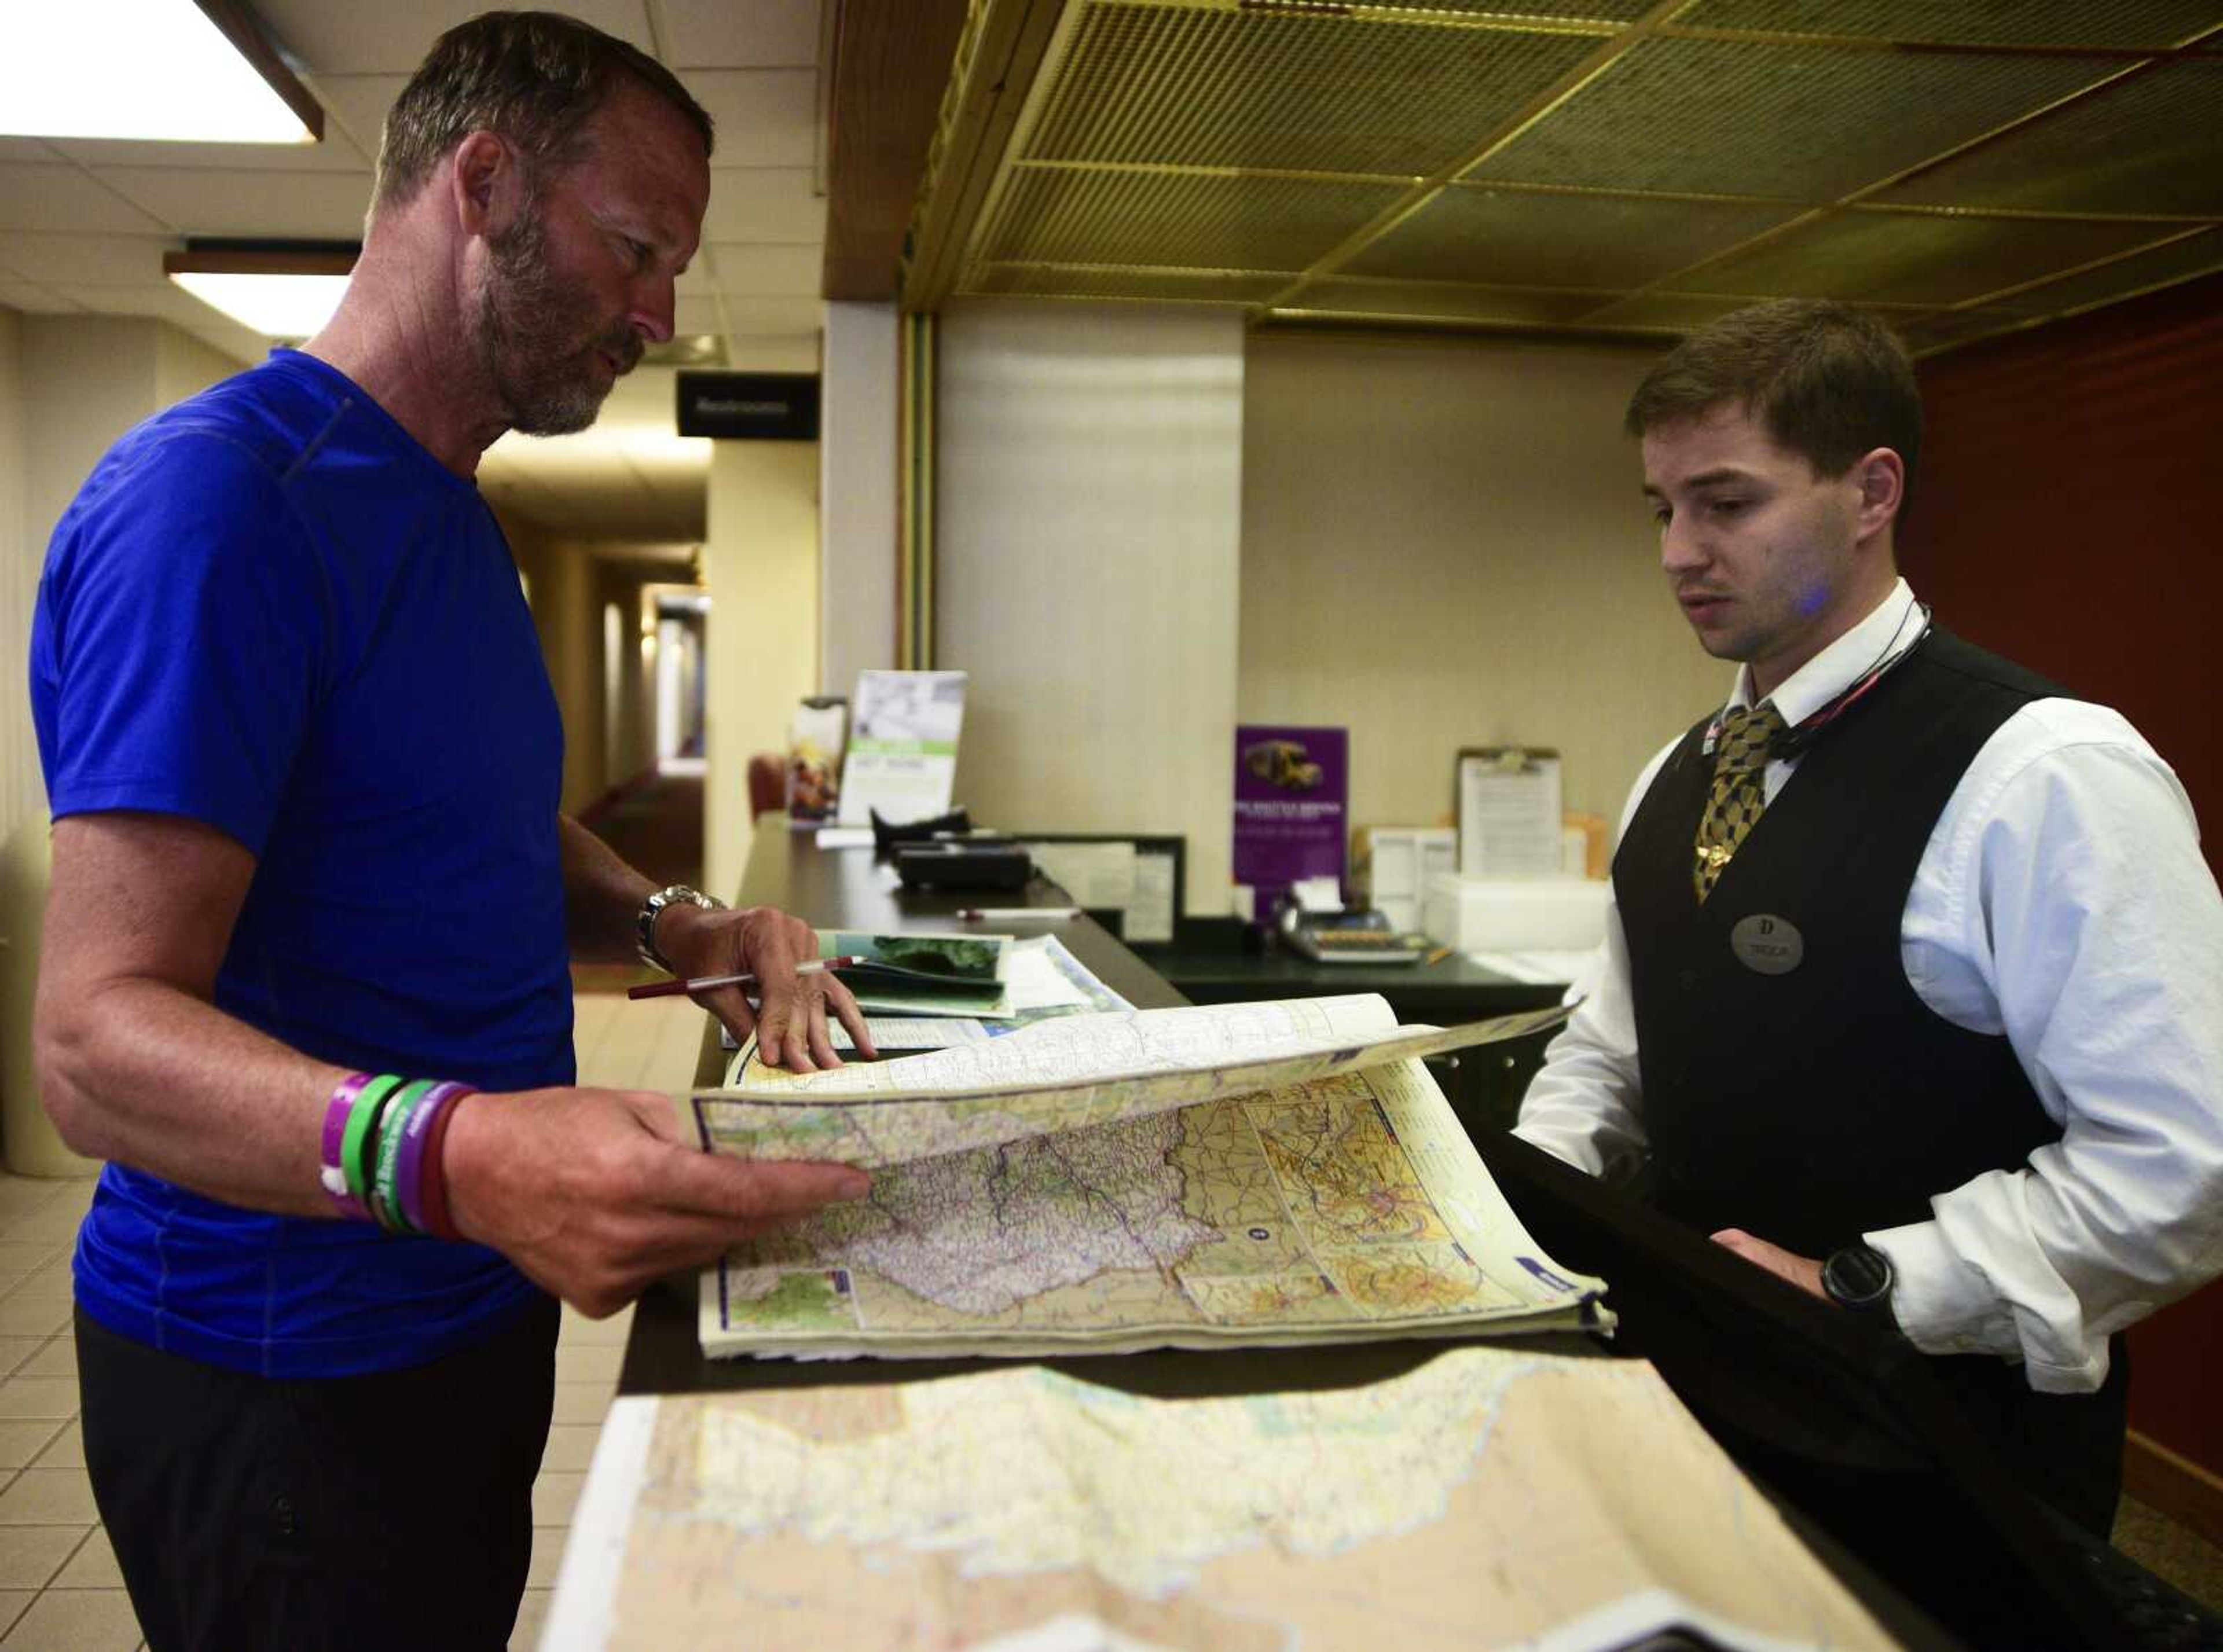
(1436, 957)
(1012, 914)
(704, 983)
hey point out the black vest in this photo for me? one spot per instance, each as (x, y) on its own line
(1812, 1105)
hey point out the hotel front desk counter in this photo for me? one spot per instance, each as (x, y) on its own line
(851, 890)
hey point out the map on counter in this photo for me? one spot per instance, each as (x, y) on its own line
(1487, 1498)
(1325, 1196)
(1062, 1074)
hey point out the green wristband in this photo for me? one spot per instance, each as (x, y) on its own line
(385, 1202)
(358, 1128)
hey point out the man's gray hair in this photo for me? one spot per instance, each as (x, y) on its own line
(533, 76)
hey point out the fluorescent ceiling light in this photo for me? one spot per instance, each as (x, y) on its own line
(150, 69)
(283, 292)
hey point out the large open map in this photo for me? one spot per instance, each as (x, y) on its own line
(1487, 1498)
(1342, 1208)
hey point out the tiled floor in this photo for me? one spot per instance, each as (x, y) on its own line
(60, 1589)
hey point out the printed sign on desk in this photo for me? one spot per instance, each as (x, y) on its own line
(903, 746)
(1291, 789)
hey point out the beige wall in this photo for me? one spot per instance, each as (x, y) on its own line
(23, 798)
(760, 562)
(857, 473)
(184, 367)
(1444, 544)
(560, 577)
(20, 793)
(1090, 493)
(69, 387)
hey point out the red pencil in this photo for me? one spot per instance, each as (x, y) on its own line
(704, 983)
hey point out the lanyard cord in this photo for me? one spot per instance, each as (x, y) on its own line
(1794, 741)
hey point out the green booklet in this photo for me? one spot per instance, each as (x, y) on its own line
(924, 975)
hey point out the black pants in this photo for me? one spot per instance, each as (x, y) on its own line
(319, 1516)
(2066, 1448)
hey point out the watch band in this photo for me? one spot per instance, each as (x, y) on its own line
(644, 938)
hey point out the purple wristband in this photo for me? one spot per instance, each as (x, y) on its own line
(335, 1114)
(409, 1164)
(331, 1176)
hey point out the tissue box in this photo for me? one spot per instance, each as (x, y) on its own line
(1511, 915)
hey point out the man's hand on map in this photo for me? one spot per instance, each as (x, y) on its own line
(789, 1015)
(594, 1194)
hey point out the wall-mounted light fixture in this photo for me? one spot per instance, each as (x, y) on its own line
(284, 289)
(152, 70)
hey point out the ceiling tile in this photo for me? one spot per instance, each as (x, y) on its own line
(1289, 90)
(118, 261)
(2148, 144)
(774, 353)
(63, 198)
(391, 36)
(1421, 301)
(358, 104)
(2134, 24)
(1536, 239)
(766, 118)
(320, 205)
(697, 314)
(1897, 258)
(702, 273)
(765, 204)
(754, 314)
(770, 272)
(2179, 260)
(32, 300)
(1077, 281)
(1193, 222)
(1662, 312)
(337, 152)
(1805, 123)
(741, 34)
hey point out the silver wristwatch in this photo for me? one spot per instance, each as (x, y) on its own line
(645, 924)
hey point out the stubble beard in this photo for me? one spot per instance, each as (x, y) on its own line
(536, 342)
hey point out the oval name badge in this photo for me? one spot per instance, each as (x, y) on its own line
(1767, 944)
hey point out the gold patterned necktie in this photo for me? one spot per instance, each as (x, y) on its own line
(1737, 797)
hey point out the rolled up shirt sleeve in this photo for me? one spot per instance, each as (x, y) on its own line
(2081, 907)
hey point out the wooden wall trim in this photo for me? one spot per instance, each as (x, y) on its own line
(890, 66)
(2175, 1484)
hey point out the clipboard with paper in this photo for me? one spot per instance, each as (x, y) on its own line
(1509, 811)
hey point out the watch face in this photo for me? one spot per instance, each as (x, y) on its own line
(1858, 1276)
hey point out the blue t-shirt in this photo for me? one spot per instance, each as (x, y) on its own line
(269, 609)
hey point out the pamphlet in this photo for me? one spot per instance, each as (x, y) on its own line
(903, 746)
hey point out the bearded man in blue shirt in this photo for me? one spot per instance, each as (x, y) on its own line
(306, 946)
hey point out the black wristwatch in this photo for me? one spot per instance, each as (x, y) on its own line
(1858, 1276)
(645, 938)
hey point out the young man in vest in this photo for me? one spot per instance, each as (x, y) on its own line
(1912, 987)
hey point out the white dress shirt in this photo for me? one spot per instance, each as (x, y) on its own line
(2062, 900)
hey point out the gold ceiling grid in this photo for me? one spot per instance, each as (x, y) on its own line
(1613, 167)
